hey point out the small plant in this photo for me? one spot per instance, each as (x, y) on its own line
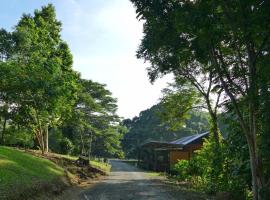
(66, 146)
(182, 169)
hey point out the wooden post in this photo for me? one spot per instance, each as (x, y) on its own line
(90, 145)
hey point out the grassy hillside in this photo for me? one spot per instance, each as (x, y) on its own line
(21, 171)
(94, 162)
(101, 165)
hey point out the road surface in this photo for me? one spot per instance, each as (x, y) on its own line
(126, 182)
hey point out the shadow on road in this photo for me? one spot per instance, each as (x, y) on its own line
(126, 182)
(122, 166)
(127, 189)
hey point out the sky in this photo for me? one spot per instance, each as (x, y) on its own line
(103, 36)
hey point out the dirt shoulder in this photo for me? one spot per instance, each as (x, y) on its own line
(76, 178)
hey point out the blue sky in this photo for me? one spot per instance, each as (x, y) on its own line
(103, 36)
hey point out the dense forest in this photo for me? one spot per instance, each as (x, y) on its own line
(44, 104)
(150, 126)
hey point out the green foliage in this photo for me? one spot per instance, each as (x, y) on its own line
(66, 146)
(19, 137)
(40, 92)
(150, 126)
(101, 165)
(94, 125)
(181, 168)
(208, 163)
(108, 144)
(214, 172)
(177, 104)
(227, 40)
(39, 78)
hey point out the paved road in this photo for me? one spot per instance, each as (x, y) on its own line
(127, 183)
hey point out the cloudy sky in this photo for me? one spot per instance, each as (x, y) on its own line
(103, 36)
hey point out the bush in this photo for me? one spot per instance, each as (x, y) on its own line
(182, 170)
(214, 170)
(66, 146)
(20, 138)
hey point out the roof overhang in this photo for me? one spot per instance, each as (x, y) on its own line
(169, 149)
(160, 145)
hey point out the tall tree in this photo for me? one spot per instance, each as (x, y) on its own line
(7, 79)
(94, 125)
(168, 50)
(46, 80)
(226, 38)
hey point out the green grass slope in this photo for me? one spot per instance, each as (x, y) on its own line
(101, 165)
(20, 171)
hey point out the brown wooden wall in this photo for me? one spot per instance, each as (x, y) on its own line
(178, 155)
(192, 147)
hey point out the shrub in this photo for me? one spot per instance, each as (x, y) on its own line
(66, 146)
(20, 138)
(182, 170)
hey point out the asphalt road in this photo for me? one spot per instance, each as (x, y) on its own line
(126, 182)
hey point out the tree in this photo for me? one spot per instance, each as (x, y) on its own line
(227, 39)
(168, 50)
(7, 79)
(151, 124)
(94, 125)
(41, 93)
(46, 81)
(178, 101)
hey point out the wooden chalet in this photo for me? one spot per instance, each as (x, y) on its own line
(161, 156)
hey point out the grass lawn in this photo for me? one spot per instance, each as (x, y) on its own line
(22, 170)
(101, 165)
(94, 162)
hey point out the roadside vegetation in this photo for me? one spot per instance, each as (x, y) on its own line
(44, 103)
(31, 175)
(106, 167)
(218, 53)
(47, 109)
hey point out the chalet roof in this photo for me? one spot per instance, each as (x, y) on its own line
(180, 143)
(188, 139)
(157, 144)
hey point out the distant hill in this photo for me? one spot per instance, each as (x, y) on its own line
(149, 126)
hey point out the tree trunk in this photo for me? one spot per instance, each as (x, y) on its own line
(40, 138)
(39, 133)
(255, 160)
(3, 131)
(83, 149)
(46, 139)
(214, 125)
(250, 128)
(90, 145)
(42, 142)
(256, 169)
(253, 92)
